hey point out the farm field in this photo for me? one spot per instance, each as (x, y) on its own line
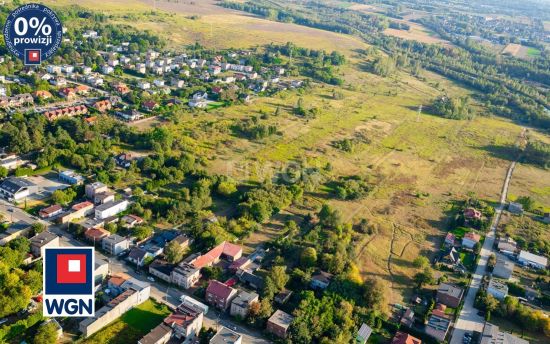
(520, 51)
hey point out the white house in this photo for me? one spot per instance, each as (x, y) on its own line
(110, 209)
(529, 259)
(497, 288)
(106, 69)
(115, 244)
(144, 85)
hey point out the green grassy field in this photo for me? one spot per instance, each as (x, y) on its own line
(130, 327)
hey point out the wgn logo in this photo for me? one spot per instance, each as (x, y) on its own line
(69, 282)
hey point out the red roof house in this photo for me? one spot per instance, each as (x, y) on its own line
(225, 250)
(405, 338)
(219, 294)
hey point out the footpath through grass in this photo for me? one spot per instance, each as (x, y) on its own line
(133, 325)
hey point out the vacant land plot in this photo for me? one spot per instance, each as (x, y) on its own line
(520, 51)
(416, 33)
(533, 182)
(130, 327)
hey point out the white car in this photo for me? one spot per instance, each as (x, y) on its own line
(151, 279)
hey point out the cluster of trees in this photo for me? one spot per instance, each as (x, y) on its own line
(538, 153)
(16, 285)
(252, 128)
(454, 108)
(510, 308)
(351, 188)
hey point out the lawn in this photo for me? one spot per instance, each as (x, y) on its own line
(131, 326)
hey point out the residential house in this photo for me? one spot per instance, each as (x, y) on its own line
(124, 160)
(121, 88)
(283, 296)
(470, 240)
(451, 257)
(110, 209)
(320, 280)
(185, 275)
(279, 323)
(248, 278)
(42, 94)
(532, 260)
(492, 335)
(186, 322)
(161, 334)
(82, 89)
(79, 210)
(138, 256)
(161, 269)
(104, 197)
(42, 240)
(503, 268)
(438, 323)
(50, 211)
(71, 177)
(150, 105)
(115, 244)
(363, 334)
(144, 85)
(96, 235)
(115, 282)
(130, 220)
(449, 295)
(471, 213)
(94, 188)
(199, 100)
(135, 292)
(450, 239)
(220, 295)
(498, 288)
(15, 188)
(102, 105)
(106, 69)
(405, 338)
(130, 115)
(101, 270)
(183, 240)
(507, 246)
(225, 250)
(226, 336)
(67, 93)
(241, 304)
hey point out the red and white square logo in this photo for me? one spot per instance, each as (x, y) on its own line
(71, 268)
(33, 55)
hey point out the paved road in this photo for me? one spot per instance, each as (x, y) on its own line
(159, 292)
(469, 320)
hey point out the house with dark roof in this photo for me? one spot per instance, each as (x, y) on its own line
(492, 335)
(138, 255)
(161, 269)
(226, 336)
(42, 240)
(449, 295)
(438, 323)
(220, 295)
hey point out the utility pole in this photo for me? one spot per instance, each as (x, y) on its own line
(419, 111)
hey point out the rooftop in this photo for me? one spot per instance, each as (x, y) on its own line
(405, 338)
(224, 248)
(219, 289)
(525, 255)
(225, 336)
(43, 238)
(156, 334)
(244, 298)
(450, 290)
(110, 205)
(492, 335)
(281, 319)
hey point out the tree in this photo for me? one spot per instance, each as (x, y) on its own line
(527, 202)
(421, 262)
(38, 227)
(142, 232)
(308, 258)
(279, 276)
(174, 252)
(424, 277)
(492, 261)
(374, 293)
(46, 334)
(63, 197)
(227, 188)
(3, 172)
